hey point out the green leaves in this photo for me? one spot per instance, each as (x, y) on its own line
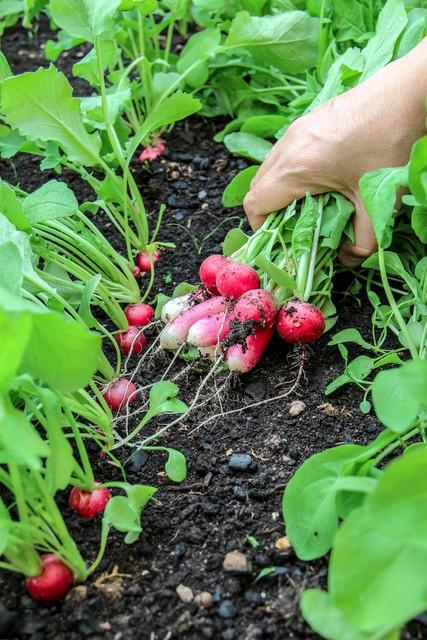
(408, 387)
(176, 107)
(84, 18)
(378, 189)
(236, 190)
(309, 503)
(247, 145)
(418, 171)
(163, 399)
(387, 535)
(41, 106)
(124, 513)
(287, 41)
(52, 200)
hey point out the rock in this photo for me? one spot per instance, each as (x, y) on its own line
(184, 622)
(185, 594)
(297, 407)
(138, 460)
(227, 609)
(202, 194)
(282, 544)
(239, 492)
(236, 562)
(240, 461)
(228, 634)
(204, 600)
(179, 551)
(253, 597)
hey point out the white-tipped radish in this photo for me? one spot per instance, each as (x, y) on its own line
(173, 308)
(235, 279)
(209, 270)
(210, 353)
(176, 332)
(208, 331)
(241, 358)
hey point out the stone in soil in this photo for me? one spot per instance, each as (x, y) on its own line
(240, 461)
(185, 594)
(204, 600)
(297, 407)
(237, 562)
(227, 609)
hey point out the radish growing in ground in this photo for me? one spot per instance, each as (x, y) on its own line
(54, 581)
(209, 270)
(173, 308)
(119, 393)
(243, 358)
(139, 315)
(131, 341)
(300, 322)
(235, 279)
(89, 503)
(136, 272)
(175, 333)
(143, 260)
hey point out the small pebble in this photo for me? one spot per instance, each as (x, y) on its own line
(236, 562)
(240, 461)
(204, 600)
(239, 492)
(202, 194)
(297, 407)
(282, 544)
(227, 609)
(185, 594)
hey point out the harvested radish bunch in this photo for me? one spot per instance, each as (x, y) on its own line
(244, 357)
(209, 270)
(131, 341)
(257, 305)
(120, 393)
(235, 279)
(54, 581)
(173, 308)
(139, 315)
(176, 332)
(300, 322)
(89, 503)
(143, 261)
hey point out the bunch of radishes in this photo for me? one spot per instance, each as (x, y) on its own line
(232, 318)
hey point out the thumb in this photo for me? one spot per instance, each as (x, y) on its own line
(351, 255)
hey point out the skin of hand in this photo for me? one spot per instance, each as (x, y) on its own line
(371, 126)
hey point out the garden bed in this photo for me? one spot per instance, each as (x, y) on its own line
(190, 527)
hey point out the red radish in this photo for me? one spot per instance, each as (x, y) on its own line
(173, 308)
(89, 503)
(300, 321)
(258, 305)
(131, 341)
(175, 333)
(208, 331)
(136, 272)
(143, 260)
(235, 279)
(152, 152)
(139, 314)
(209, 270)
(54, 581)
(243, 358)
(119, 393)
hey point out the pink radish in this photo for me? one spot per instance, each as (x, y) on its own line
(208, 331)
(300, 321)
(136, 272)
(209, 270)
(131, 341)
(143, 260)
(176, 306)
(54, 581)
(89, 503)
(235, 279)
(139, 314)
(258, 305)
(119, 393)
(244, 358)
(175, 333)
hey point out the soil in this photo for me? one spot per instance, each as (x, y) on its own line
(190, 527)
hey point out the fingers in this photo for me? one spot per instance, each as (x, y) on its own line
(271, 193)
(269, 162)
(351, 255)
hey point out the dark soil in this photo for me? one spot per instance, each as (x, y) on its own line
(189, 528)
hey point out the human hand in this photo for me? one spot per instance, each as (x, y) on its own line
(371, 126)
